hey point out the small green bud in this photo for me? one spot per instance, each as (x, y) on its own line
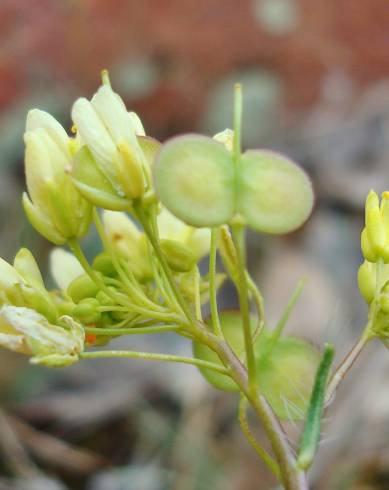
(81, 288)
(172, 228)
(87, 311)
(104, 299)
(103, 263)
(383, 302)
(179, 257)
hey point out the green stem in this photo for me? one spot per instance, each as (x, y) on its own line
(259, 305)
(212, 284)
(345, 366)
(165, 267)
(291, 477)
(154, 357)
(132, 331)
(79, 254)
(129, 281)
(238, 234)
(285, 315)
(197, 295)
(245, 426)
(237, 122)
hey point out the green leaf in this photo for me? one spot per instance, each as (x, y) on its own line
(195, 180)
(311, 433)
(274, 194)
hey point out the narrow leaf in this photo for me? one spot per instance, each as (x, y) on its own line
(311, 434)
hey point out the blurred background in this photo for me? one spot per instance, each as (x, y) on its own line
(316, 86)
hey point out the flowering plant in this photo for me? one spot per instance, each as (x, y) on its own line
(159, 209)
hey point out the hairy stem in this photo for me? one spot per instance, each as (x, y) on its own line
(245, 426)
(345, 366)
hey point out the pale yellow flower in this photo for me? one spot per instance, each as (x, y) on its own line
(54, 206)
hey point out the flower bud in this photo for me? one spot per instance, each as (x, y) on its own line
(22, 285)
(179, 257)
(129, 242)
(103, 263)
(26, 331)
(197, 240)
(109, 133)
(81, 288)
(54, 206)
(375, 235)
(87, 311)
(367, 277)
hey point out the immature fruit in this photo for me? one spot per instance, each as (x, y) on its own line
(286, 376)
(274, 194)
(200, 182)
(285, 369)
(195, 180)
(81, 288)
(232, 327)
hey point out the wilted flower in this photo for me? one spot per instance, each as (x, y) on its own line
(54, 206)
(26, 331)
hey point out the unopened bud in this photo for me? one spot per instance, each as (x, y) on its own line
(81, 288)
(179, 257)
(375, 235)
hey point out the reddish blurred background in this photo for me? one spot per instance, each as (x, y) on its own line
(316, 84)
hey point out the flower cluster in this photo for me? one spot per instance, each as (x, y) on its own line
(106, 163)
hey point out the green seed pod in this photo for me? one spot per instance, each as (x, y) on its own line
(87, 311)
(179, 257)
(195, 180)
(285, 370)
(231, 323)
(103, 263)
(81, 288)
(286, 376)
(274, 194)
